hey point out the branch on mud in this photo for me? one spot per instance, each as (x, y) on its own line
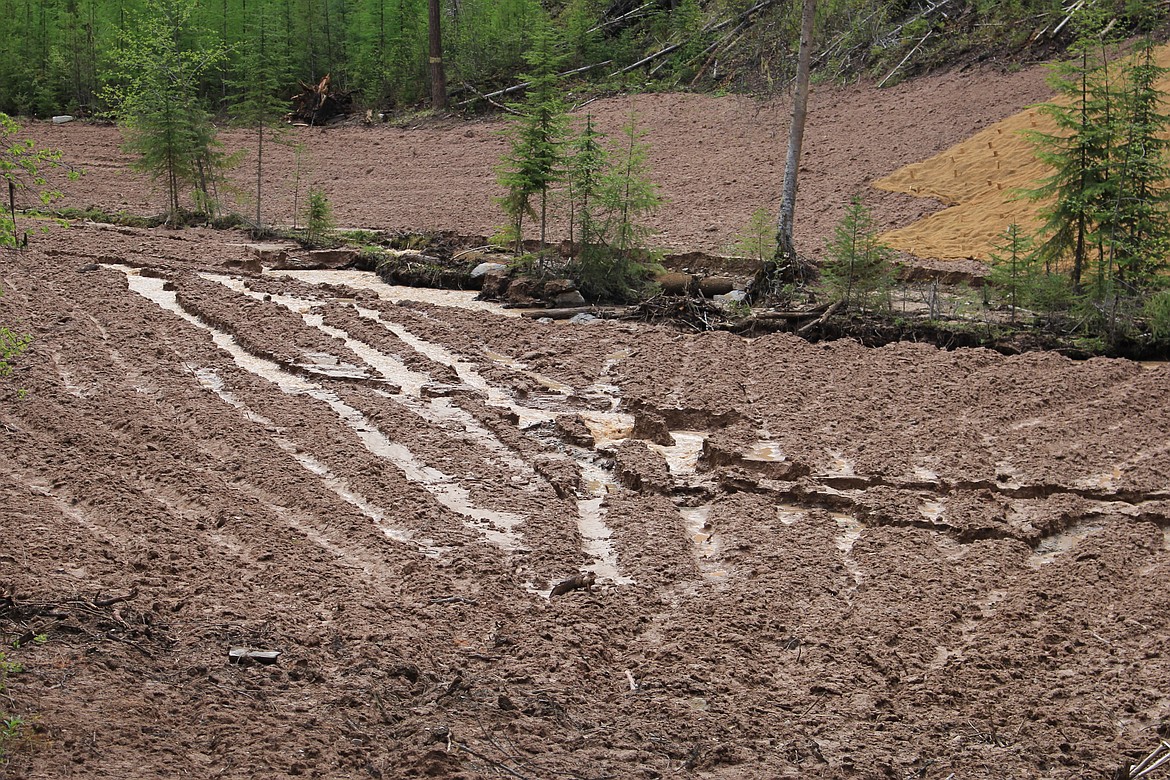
(497, 764)
(829, 312)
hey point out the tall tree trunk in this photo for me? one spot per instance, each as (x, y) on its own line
(438, 74)
(786, 247)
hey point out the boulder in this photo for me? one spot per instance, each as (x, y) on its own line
(568, 300)
(522, 292)
(485, 268)
(555, 287)
(735, 296)
(582, 319)
(494, 284)
(249, 265)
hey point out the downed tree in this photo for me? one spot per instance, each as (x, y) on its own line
(317, 103)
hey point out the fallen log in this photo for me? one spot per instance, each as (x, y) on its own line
(601, 312)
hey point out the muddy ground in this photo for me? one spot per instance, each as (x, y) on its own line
(812, 560)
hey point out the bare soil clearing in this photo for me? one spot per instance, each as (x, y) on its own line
(716, 159)
(811, 560)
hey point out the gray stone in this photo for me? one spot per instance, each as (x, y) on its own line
(485, 268)
(582, 318)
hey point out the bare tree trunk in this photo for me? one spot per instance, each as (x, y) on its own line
(438, 75)
(786, 247)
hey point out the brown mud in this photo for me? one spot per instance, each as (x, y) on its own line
(811, 559)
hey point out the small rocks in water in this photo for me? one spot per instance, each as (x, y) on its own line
(486, 268)
(88, 267)
(582, 318)
(241, 655)
(580, 582)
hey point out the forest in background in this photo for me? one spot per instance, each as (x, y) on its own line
(58, 56)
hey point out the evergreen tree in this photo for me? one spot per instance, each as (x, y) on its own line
(536, 160)
(614, 252)
(258, 105)
(1139, 235)
(858, 269)
(156, 101)
(586, 167)
(757, 239)
(1012, 266)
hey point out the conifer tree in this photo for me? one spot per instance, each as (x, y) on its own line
(1139, 235)
(586, 167)
(1012, 266)
(156, 101)
(258, 105)
(535, 162)
(857, 269)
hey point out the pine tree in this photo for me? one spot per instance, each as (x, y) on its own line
(1139, 234)
(615, 251)
(536, 160)
(857, 270)
(258, 105)
(586, 167)
(1012, 266)
(156, 101)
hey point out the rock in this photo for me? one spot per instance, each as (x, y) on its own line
(567, 300)
(522, 291)
(675, 283)
(555, 287)
(582, 319)
(88, 267)
(716, 285)
(735, 296)
(485, 268)
(495, 284)
(62, 119)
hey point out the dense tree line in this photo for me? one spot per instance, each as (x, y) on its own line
(57, 56)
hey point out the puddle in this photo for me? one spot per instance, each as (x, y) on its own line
(931, 510)
(497, 527)
(765, 451)
(851, 529)
(608, 428)
(790, 514)
(923, 474)
(596, 536)
(367, 280)
(211, 380)
(683, 458)
(839, 465)
(1052, 547)
(706, 543)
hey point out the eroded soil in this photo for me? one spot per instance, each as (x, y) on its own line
(811, 559)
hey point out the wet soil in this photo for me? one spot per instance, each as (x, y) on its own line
(811, 559)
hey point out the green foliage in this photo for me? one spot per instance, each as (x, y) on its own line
(23, 167)
(535, 162)
(318, 217)
(258, 105)
(857, 270)
(1013, 266)
(1107, 201)
(1156, 312)
(757, 239)
(586, 167)
(614, 254)
(156, 101)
